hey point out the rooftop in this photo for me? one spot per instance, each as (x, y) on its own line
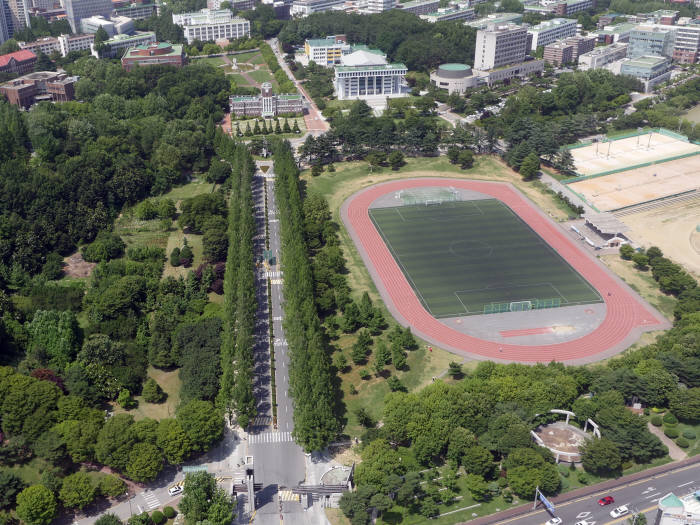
(176, 49)
(646, 61)
(548, 24)
(454, 67)
(348, 69)
(619, 28)
(415, 3)
(449, 10)
(607, 49)
(19, 56)
(138, 36)
(496, 18)
(363, 57)
(323, 42)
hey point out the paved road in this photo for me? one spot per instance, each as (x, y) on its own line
(279, 462)
(641, 495)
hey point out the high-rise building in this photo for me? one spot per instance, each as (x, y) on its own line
(76, 10)
(551, 30)
(208, 25)
(500, 45)
(4, 30)
(16, 15)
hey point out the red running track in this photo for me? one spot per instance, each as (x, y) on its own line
(626, 314)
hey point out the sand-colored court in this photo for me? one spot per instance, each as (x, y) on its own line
(601, 157)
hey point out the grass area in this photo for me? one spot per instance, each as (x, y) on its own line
(169, 381)
(642, 283)
(261, 75)
(177, 240)
(340, 104)
(135, 232)
(336, 516)
(30, 472)
(213, 61)
(196, 187)
(487, 257)
(240, 80)
(694, 448)
(693, 114)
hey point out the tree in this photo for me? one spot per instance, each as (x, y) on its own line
(455, 370)
(198, 490)
(145, 462)
(111, 486)
(77, 490)
(152, 392)
(530, 166)
(108, 519)
(396, 160)
(460, 441)
(125, 400)
(453, 154)
(10, 486)
(381, 357)
(626, 252)
(601, 457)
(172, 441)
(478, 487)
(36, 505)
(115, 441)
(478, 460)
(376, 159)
(202, 423)
(465, 159)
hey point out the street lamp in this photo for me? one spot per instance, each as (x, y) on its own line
(128, 496)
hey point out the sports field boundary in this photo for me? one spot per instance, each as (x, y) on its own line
(626, 314)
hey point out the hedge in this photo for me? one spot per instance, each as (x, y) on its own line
(671, 432)
(670, 419)
(169, 512)
(689, 434)
(682, 442)
(656, 421)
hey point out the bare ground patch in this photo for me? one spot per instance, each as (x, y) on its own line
(77, 267)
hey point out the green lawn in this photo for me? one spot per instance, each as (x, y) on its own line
(213, 61)
(694, 447)
(693, 114)
(261, 75)
(240, 80)
(460, 257)
(196, 187)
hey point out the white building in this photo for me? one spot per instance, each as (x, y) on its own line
(120, 43)
(207, 25)
(46, 45)
(68, 43)
(327, 51)
(420, 7)
(76, 10)
(454, 12)
(365, 74)
(551, 30)
(686, 49)
(303, 8)
(500, 45)
(377, 6)
(602, 56)
(673, 510)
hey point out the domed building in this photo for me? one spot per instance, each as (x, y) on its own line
(455, 78)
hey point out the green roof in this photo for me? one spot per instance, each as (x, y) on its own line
(323, 42)
(363, 47)
(414, 3)
(347, 69)
(454, 67)
(671, 500)
(176, 49)
(646, 61)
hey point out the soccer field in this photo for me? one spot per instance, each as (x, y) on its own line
(477, 256)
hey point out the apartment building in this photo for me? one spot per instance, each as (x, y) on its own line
(500, 45)
(550, 31)
(207, 25)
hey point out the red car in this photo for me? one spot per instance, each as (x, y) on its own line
(607, 500)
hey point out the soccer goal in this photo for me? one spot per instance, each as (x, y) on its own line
(520, 306)
(428, 196)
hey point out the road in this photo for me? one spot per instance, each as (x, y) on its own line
(315, 123)
(279, 461)
(641, 495)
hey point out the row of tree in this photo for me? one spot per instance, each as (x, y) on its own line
(237, 360)
(310, 374)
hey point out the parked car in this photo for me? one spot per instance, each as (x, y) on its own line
(554, 521)
(175, 490)
(619, 511)
(583, 522)
(607, 500)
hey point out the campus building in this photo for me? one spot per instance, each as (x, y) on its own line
(651, 40)
(137, 11)
(686, 48)
(371, 7)
(303, 8)
(327, 51)
(236, 5)
(115, 46)
(558, 53)
(158, 53)
(550, 31)
(68, 43)
(16, 15)
(363, 74)
(76, 10)
(571, 7)
(496, 19)
(267, 104)
(650, 70)
(117, 25)
(602, 56)
(19, 62)
(454, 12)
(35, 87)
(613, 34)
(207, 25)
(455, 78)
(46, 45)
(500, 45)
(673, 510)
(420, 7)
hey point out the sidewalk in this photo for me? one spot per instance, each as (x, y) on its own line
(674, 450)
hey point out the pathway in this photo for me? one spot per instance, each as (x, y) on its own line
(674, 451)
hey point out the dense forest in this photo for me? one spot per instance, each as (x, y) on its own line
(402, 36)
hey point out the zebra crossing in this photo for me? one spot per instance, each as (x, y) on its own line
(287, 495)
(151, 500)
(262, 421)
(273, 275)
(270, 437)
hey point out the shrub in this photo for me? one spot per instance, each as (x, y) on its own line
(169, 512)
(564, 472)
(657, 410)
(364, 374)
(689, 434)
(175, 257)
(158, 517)
(582, 478)
(682, 442)
(671, 432)
(105, 247)
(646, 411)
(152, 393)
(656, 421)
(670, 419)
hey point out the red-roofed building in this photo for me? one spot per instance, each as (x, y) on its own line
(20, 62)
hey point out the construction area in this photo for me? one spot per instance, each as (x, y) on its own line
(608, 155)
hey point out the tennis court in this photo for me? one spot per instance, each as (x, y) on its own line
(468, 257)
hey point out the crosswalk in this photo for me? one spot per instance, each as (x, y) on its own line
(288, 495)
(270, 437)
(262, 421)
(152, 502)
(276, 281)
(271, 275)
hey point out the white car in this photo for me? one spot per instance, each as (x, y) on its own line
(554, 521)
(619, 511)
(583, 522)
(175, 490)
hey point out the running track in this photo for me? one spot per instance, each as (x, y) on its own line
(626, 314)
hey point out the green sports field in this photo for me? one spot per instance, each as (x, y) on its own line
(477, 256)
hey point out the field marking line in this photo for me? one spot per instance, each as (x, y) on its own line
(462, 303)
(397, 211)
